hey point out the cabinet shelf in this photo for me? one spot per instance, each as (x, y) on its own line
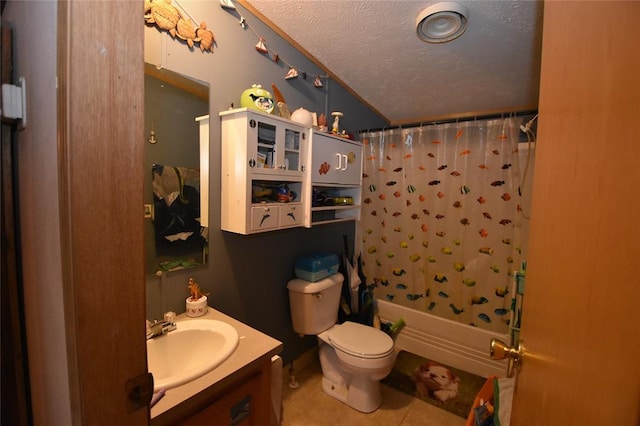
(324, 215)
(336, 207)
(336, 172)
(334, 220)
(271, 175)
(270, 204)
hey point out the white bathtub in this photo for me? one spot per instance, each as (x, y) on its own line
(448, 342)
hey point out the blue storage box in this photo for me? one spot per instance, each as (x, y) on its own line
(316, 267)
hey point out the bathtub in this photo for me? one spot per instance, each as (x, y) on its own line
(448, 342)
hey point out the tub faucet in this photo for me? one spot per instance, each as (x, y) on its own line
(160, 328)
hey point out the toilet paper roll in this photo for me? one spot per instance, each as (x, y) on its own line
(276, 390)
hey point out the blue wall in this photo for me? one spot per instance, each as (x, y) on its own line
(247, 275)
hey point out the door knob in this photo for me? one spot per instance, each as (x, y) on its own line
(499, 350)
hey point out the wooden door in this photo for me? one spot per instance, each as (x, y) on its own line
(581, 321)
(100, 140)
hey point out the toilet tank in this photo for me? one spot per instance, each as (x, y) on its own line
(314, 305)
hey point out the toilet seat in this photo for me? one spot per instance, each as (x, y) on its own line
(360, 340)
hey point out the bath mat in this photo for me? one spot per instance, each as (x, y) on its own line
(448, 388)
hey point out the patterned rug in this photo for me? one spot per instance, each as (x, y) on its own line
(436, 383)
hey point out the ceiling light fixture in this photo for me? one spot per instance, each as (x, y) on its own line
(442, 22)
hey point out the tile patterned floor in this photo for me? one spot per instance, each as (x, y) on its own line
(308, 405)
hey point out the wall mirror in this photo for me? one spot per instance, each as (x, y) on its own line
(176, 157)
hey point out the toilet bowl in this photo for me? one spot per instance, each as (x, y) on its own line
(354, 357)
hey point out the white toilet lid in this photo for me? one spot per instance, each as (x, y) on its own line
(360, 340)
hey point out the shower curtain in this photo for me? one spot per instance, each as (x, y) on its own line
(440, 228)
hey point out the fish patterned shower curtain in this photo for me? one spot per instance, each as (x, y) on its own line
(440, 228)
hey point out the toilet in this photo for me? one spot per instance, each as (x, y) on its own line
(354, 357)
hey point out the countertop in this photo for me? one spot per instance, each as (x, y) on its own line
(254, 348)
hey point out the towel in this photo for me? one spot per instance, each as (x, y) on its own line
(503, 396)
(276, 390)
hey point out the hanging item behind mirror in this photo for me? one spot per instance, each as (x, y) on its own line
(177, 228)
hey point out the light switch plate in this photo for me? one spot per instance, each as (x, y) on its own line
(148, 211)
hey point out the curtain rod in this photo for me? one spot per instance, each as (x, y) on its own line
(454, 120)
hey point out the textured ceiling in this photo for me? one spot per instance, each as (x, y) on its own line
(372, 47)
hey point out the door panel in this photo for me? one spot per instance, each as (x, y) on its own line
(100, 129)
(335, 160)
(580, 317)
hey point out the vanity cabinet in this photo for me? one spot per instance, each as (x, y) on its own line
(264, 164)
(236, 392)
(335, 179)
(246, 402)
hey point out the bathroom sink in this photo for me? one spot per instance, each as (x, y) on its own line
(196, 347)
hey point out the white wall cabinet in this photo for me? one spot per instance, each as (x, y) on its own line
(263, 167)
(335, 160)
(335, 179)
(279, 174)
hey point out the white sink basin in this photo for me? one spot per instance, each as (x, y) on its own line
(196, 347)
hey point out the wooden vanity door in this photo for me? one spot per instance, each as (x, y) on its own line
(244, 404)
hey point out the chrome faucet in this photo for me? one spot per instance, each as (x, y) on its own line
(160, 328)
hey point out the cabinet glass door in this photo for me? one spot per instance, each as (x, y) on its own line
(266, 154)
(291, 150)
